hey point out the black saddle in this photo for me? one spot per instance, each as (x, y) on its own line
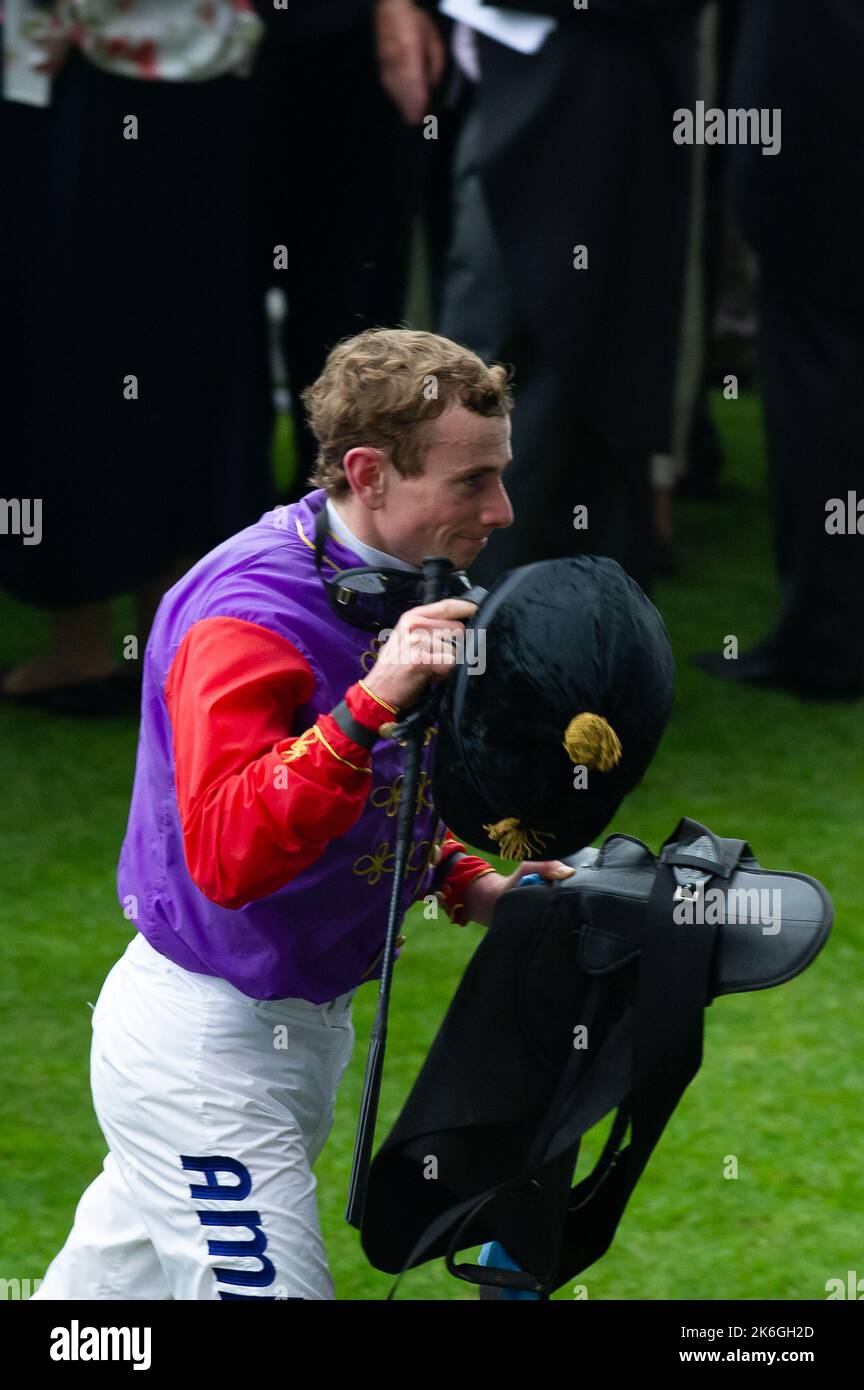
(586, 996)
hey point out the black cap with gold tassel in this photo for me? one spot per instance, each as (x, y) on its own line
(557, 710)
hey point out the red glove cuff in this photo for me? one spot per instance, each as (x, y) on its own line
(458, 876)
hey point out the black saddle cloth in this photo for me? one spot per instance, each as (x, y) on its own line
(584, 997)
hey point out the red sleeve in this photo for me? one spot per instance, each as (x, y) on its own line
(257, 804)
(461, 872)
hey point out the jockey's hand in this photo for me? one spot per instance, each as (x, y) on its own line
(425, 645)
(481, 896)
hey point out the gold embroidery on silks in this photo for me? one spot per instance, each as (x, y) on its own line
(300, 746)
(372, 867)
(377, 864)
(424, 862)
(387, 798)
(422, 798)
(368, 658)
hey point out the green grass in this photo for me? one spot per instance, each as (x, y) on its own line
(779, 1087)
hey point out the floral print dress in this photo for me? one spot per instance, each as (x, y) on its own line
(162, 40)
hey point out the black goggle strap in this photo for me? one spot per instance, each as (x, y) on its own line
(459, 585)
(320, 536)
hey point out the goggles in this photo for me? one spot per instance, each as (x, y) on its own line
(372, 598)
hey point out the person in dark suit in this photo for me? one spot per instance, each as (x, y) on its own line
(571, 147)
(803, 214)
(341, 87)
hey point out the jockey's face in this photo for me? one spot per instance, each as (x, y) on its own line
(451, 507)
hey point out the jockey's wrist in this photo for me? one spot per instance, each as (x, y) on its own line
(390, 709)
(360, 715)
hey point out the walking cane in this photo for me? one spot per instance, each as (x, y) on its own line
(411, 729)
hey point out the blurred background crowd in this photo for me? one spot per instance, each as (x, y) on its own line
(202, 198)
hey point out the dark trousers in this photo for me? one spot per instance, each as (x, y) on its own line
(813, 393)
(561, 458)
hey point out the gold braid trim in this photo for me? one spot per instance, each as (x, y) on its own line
(306, 541)
(591, 742)
(377, 698)
(353, 766)
(301, 746)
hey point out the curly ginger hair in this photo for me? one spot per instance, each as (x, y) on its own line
(380, 387)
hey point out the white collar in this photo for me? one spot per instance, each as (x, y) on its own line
(367, 553)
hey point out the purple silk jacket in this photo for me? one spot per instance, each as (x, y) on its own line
(317, 937)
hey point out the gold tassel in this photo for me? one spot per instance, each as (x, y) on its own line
(516, 841)
(591, 742)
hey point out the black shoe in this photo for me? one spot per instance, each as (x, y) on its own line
(117, 693)
(759, 666)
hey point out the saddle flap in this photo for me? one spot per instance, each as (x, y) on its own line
(770, 925)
